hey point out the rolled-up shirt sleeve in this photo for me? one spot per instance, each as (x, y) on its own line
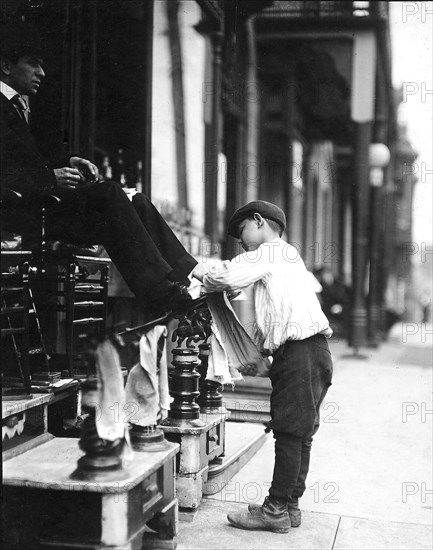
(242, 271)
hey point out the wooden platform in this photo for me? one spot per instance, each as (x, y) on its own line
(14, 406)
(26, 423)
(201, 441)
(46, 506)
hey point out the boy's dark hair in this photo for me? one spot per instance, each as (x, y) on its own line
(275, 226)
(272, 224)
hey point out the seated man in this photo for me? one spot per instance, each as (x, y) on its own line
(139, 242)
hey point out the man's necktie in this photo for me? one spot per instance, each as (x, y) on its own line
(21, 107)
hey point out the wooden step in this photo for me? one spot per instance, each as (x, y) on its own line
(24, 420)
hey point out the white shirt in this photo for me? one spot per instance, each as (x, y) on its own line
(9, 93)
(286, 306)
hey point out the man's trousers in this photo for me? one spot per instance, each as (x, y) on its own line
(139, 242)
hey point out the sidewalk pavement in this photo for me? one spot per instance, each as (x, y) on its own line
(370, 480)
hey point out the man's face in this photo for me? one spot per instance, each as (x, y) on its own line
(250, 235)
(26, 75)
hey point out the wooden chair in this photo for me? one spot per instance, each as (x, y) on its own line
(15, 314)
(67, 290)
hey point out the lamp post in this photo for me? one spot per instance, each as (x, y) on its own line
(379, 157)
(357, 336)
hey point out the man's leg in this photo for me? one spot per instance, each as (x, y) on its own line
(103, 214)
(169, 246)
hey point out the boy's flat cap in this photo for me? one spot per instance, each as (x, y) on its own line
(265, 209)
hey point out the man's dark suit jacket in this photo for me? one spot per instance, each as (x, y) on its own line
(137, 239)
(22, 168)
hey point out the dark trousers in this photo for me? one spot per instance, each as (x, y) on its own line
(138, 240)
(301, 374)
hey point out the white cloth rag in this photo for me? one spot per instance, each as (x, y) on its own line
(232, 352)
(110, 393)
(147, 395)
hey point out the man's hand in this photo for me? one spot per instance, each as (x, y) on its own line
(69, 178)
(81, 172)
(88, 171)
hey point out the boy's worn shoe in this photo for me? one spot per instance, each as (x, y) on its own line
(294, 512)
(293, 509)
(271, 516)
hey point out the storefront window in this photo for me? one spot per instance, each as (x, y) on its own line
(94, 99)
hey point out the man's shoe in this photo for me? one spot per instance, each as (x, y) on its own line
(271, 516)
(188, 305)
(178, 298)
(170, 299)
(293, 509)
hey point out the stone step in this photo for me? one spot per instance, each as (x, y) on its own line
(249, 405)
(243, 440)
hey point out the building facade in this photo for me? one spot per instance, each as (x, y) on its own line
(205, 105)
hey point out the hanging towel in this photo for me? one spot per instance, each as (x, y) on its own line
(147, 396)
(219, 368)
(110, 393)
(232, 349)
